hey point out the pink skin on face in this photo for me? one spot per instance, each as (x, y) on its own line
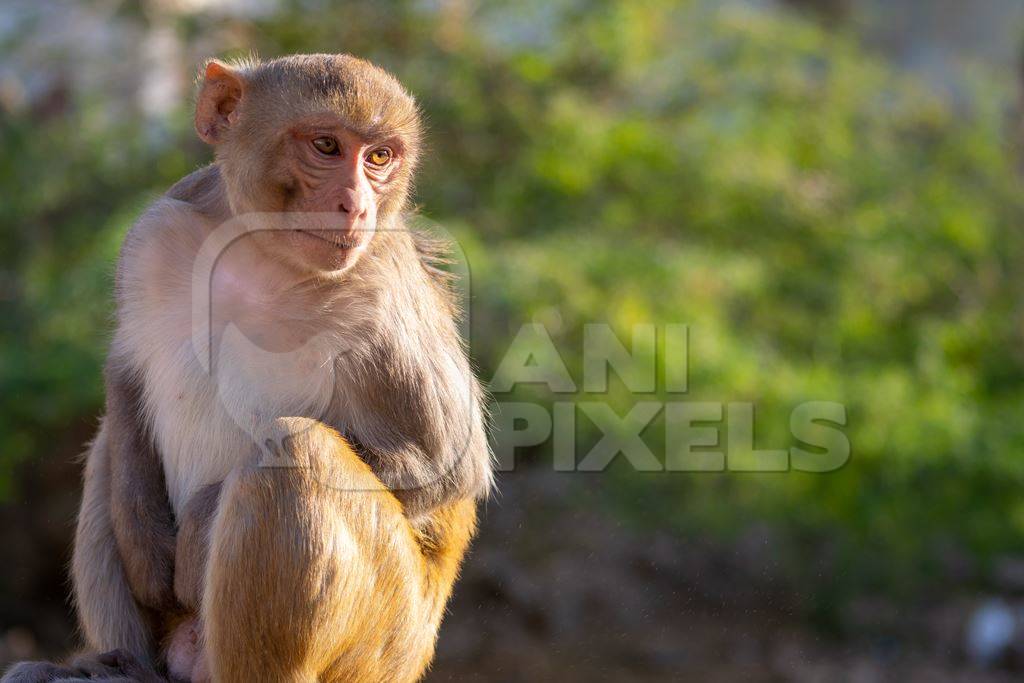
(338, 179)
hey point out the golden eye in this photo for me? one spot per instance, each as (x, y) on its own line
(326, 145)
(379, 157)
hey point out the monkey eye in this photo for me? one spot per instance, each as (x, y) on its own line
(380, 156)
(326, 145)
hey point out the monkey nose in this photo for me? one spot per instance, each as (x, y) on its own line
(351, 203)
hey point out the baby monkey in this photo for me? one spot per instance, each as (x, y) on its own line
(286, 477)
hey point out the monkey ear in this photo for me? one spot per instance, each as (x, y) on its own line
(219, 95)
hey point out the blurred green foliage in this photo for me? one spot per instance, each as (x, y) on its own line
(830, 228)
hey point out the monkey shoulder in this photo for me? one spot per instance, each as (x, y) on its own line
(164, 241)
(202, 189)
(175, 223)
(154, 279)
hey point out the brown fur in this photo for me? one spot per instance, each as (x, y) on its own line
(193, 547)
(140, 512)
(363, 600)
(338, 566)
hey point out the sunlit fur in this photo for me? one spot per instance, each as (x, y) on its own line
(348, 590)
(294, 580)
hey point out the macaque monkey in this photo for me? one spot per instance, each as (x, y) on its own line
(285, 480)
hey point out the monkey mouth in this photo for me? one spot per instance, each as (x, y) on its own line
(334, 238)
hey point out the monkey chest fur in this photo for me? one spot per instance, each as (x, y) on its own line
(214, 375)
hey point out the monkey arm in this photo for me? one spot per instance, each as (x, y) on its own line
(108, 614)
(193, 546)
(140, 511)
(417, 420)
(410, 405)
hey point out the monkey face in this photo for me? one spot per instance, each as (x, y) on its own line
(326, 143)
(337, 182)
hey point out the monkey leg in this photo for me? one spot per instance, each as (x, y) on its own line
(107, 612)
(315, 573)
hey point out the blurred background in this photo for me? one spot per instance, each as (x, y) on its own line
(828, 193)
